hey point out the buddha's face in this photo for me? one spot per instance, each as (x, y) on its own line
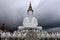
(30, 14)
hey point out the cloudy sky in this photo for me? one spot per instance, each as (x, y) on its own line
(12, 13)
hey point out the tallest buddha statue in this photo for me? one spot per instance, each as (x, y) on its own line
(30, 20)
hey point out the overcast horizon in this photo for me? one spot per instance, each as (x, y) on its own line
(47, 12)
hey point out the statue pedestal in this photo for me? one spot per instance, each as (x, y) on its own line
(31, 35)
(26, 27)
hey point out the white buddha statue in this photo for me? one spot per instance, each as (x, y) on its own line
(30, 21)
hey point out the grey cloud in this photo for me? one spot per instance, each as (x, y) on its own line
(13, 11)
(48, 11)
(55, 30)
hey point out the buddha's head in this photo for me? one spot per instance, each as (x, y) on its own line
(30, 11)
